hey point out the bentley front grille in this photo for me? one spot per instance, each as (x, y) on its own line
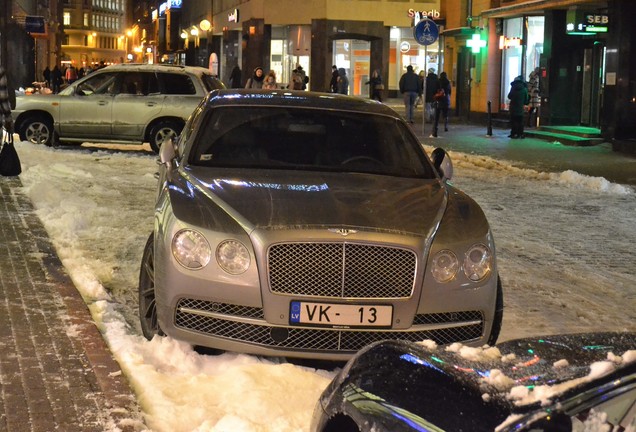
(312, 339)
(341, 270)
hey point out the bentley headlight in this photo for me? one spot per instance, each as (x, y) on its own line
(477, 262)
(233, 257)
(191, 249)
(445, 266)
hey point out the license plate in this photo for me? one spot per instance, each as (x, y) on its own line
(340, 315)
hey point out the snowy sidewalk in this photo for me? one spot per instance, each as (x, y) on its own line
(56, 372)
(549, 156)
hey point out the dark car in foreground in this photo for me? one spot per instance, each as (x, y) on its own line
(556, 383)
(308, 225)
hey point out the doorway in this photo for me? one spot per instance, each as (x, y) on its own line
(464, 64)
(354, 56)
(592, 86)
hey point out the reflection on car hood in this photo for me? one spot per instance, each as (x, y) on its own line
(279, 199)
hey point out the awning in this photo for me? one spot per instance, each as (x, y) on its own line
(458, 32)
(538, 6)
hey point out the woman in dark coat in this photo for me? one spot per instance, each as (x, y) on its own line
(442, 102)
(376, 85)
(518, 99)
(235, 78)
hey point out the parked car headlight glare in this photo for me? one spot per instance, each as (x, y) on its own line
(233, 257)
(191, 249)
(445, 266)
(477, 262)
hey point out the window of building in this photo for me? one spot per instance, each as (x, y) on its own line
(522, 51)
(86, 21)
(405, 51)
(67, 18)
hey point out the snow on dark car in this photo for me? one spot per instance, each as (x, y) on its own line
(552, 384)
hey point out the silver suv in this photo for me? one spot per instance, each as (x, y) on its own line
(126, 103)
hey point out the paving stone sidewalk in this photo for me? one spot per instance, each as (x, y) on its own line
(56, 371)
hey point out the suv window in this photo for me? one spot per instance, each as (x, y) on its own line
(177, 84)
(102, 83)
(139, 83)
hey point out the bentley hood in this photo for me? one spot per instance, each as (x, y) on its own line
(283, 199)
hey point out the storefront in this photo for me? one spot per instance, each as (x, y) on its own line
(347, 40)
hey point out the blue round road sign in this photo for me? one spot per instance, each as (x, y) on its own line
(426, 32)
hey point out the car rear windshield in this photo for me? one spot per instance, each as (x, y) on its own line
(308, 139)
(211, 83)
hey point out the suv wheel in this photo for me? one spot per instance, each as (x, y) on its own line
(38, 129)
(161, 131)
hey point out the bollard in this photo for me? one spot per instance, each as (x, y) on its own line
(489, 132)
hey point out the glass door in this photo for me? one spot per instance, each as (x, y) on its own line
(353, 55)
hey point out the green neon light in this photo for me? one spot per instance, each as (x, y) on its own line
(596, 29)
(475, 43)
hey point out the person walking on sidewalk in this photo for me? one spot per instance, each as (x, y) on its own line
(376, 85)
(442, 102)
(432, 82)
(518, 96)
(343, 81)
(410, 88)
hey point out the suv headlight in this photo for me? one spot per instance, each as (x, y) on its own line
(477, 262)
(233, 257)
(191, 249)
(445, 266)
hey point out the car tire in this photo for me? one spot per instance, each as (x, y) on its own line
(37, 129)
(147, 297)
(162, 131)
(498, 318)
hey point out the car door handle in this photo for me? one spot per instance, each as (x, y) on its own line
(102, 102)
(151, 104)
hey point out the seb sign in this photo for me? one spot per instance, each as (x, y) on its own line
(597, 19)
(418, 15)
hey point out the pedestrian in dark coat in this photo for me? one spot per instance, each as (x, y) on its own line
(343, 81)
(442, 102)
(56, 79)
(333, 84)
(410, 88)
(47, 76)
(376, 85)
(235, 78)
(518, 96)
(431, 87)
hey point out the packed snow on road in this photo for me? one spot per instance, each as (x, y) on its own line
(564, 242)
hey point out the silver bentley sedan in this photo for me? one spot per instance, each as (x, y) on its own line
(309, 225)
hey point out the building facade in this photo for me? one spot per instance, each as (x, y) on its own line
(278, 35)
(585, 51)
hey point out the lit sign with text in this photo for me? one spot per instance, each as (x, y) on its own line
(505, 43)
(417, 16)
(586, 23)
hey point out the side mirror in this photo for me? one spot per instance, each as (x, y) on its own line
(442, 163)
(168, 152)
